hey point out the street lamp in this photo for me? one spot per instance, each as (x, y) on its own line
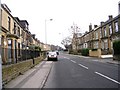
(0, 52)
(46, 29)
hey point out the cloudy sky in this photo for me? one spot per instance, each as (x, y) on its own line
(64, 13)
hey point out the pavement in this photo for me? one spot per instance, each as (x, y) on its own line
(106, 56)
(103, 58)
(112, 61)
(33, 78)
(109, 59)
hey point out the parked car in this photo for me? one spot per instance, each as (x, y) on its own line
(52, 55)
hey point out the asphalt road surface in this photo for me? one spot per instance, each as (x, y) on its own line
(72, 71)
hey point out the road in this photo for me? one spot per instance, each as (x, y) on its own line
(71, 71)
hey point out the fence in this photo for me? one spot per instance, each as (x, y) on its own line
(11, 56)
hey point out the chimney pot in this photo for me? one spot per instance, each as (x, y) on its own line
(95, 26)
(110, 17)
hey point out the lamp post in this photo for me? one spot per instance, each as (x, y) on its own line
(118, 7)
(46, 29)
(0, 54)
(0, 64)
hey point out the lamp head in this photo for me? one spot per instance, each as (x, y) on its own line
(51, 19)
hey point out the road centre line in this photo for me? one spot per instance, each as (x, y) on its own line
(73, 61)
(83, 66)
(107, 77)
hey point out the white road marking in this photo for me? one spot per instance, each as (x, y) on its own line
(107, 77)
(95, 60)
(73, 61)
(83, 66)
(66, 58)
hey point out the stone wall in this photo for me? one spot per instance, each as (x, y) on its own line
(10, 72)
(96, 53)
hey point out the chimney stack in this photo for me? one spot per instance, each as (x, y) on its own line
(102, 23)
(90, 27)
(33, 35)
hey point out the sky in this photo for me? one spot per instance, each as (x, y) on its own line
(64, 13)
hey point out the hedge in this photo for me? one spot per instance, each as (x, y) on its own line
(85, 52)
(116, 47)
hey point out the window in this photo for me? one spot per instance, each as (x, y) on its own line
(14, 28)
(18, 31)
(26, 26)
(15, 42)
(105, 32)
(100, 33)
(110, 29)
(95, 45)
(9, 42)
(85, 45)
(18, 49)
(9, 23)
(106, 44)
(116, 26)
(1, 14)
(85, 39)
(96, 35)
(102, 45)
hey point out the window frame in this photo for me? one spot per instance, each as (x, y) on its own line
(116, 26)
(110, 29)
(9, 22)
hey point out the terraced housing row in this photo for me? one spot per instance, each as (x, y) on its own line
(16, 38)
(100, 38)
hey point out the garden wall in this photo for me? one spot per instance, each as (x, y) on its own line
(95, 53)
(9, 72)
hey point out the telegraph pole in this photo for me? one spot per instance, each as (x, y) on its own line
(0, 52)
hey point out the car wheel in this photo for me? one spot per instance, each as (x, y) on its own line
(56, 59)
(48, 59)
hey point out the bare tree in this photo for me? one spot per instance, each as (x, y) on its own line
(66, 42)
(76, 34)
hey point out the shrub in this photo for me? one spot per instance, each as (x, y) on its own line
(116, 47)
(75, 52)
(37, 48)
(85, 52)
(79, 51)
(70, 51)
